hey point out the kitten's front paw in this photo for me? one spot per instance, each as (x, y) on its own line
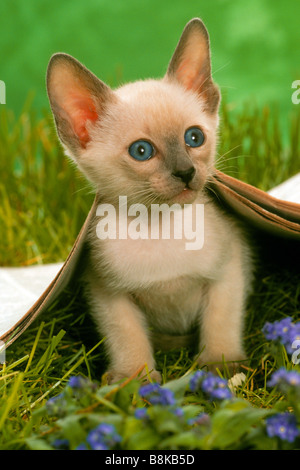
(114, 376)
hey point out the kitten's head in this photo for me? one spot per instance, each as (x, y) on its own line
(152, 140)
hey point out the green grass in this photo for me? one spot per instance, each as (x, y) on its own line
(43, 204)
(44, 199)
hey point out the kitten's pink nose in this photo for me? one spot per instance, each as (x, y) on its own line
(185, 175)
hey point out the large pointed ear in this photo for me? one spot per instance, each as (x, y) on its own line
(77, 98)
(191, 64)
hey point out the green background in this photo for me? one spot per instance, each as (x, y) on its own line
(255, 45)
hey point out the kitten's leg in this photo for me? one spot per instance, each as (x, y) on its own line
(124, 326)
(222, 319)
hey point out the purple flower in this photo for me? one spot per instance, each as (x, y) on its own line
(61, 444)
(77, 381)
(215, 387)
(283, 331)
(103, 437)
(196, 380)
(157, 395)
(82, 446)
(96, 442)
(282, 425)
(80, 385)
(178, 412)
(141, 413)
(285, 379)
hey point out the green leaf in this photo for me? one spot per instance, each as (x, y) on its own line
(94, 419)
(184, 440)
(231, 423)
(179, 386)
(165, 421)
(138, 435)
(257, 439)
(72, 429)
(37, 444)
(191, 411)
(123, 397)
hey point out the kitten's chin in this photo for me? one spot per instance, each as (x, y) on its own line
(186, 196)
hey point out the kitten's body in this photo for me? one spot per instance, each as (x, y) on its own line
(159, 285)
(137, 284)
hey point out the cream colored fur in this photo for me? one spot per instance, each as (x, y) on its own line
(134, 285)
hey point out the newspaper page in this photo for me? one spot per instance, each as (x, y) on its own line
(289, 190)
(21, 287)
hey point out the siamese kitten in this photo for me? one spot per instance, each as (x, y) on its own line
(154, 141)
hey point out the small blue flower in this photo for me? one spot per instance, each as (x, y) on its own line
(82, 446)
(285, 379)
(157, 395)
(284, 328)
(178, 412)
(77, 381)
(283, 331)
(294, 335)
(282, 425)
(96, 442)
(141, 413)
(215, 387)
(270, 331)
(80, 385)
(196, 380)
(103, 437)
(61, 444)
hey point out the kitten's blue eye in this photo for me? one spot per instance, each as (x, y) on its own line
(194, 137)
(141, 150)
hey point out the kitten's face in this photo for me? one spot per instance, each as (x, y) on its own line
(152, 141)
(158, 113)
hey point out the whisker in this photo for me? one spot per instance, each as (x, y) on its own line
(221, 68)
(228, 151)
(210, 189)
(214, 72)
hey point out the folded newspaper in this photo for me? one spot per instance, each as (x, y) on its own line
(27, 292)
(20, 288)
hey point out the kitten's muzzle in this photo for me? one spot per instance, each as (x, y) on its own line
(185, 175)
